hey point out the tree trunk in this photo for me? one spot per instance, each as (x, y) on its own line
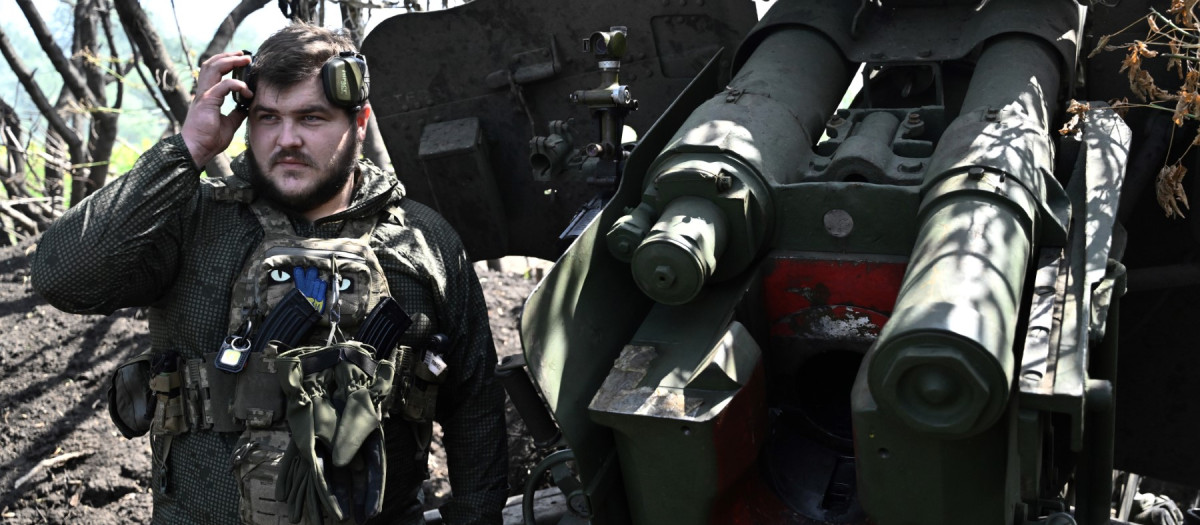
(53, 184)
(14, 165)
(155, 56)
(103, 133)
(71, 77)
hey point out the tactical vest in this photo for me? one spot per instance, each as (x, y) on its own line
(340, 277)
(333, 284)
(292, 292)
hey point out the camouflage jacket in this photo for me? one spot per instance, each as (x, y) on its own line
(161, 236)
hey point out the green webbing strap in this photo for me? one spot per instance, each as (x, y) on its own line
(159, 456)
(329, 357)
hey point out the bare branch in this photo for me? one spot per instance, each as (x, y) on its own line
(154, 89)
(103, 130)
(47, 464)
(35, 93)
(106, 23)
(71, 77)
(187, 53)
(21, 220)
(229, 25)
(14, 169)
(141, 32)
(382, 4)
(85, 41)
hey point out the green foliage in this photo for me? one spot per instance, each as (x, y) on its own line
(124, 155)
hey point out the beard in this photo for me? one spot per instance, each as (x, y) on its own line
(335, 177)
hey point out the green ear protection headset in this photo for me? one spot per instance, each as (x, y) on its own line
(344, 78)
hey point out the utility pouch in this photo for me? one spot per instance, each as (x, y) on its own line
(207, 396)
(257, 399)
(167, 383)
(131, 402)
(418, 385)
(256, 464)
(294, 471)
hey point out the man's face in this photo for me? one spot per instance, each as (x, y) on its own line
(304, 147)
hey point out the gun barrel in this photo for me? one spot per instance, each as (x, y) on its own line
(944, 363)
(708, 192)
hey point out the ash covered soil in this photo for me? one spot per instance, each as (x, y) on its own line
(63, 461)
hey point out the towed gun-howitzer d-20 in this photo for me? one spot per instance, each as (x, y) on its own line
(908, 321)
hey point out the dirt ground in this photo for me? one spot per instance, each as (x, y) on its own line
(63, 461)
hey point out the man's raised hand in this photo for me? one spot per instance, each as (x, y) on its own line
(206, 131)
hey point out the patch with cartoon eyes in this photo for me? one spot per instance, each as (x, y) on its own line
(281, 277)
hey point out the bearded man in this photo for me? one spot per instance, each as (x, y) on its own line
(210, 258)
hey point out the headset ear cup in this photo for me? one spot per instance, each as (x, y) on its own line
(353, 82)
(364, 78)
(243, 74)
(329, 79)
(344, 79)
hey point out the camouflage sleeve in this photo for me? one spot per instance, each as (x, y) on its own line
(471, 404)
(119, 247)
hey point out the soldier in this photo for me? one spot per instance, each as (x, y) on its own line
(234, 436)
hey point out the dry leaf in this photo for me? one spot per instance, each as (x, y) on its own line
(1142, 84)
(1132, 62)
(1078, 111)
(1192, 81)
(1168, 187)
(1144, 50)
(1071, 126)
(1182, 9)
(1182, 107)
(1101, 45)
(1189, 13)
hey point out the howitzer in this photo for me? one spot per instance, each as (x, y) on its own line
(897, 308)
(833, 334)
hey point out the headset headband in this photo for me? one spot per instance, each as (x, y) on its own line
(344, 78)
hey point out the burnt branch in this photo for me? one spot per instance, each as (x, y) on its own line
(187, 53)
(153, 89)
(71, 77)
(14, 166)
(154, 54)
(35, 93)
(103, 133)
(106, 23)
(145, 38)
(229, 25)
